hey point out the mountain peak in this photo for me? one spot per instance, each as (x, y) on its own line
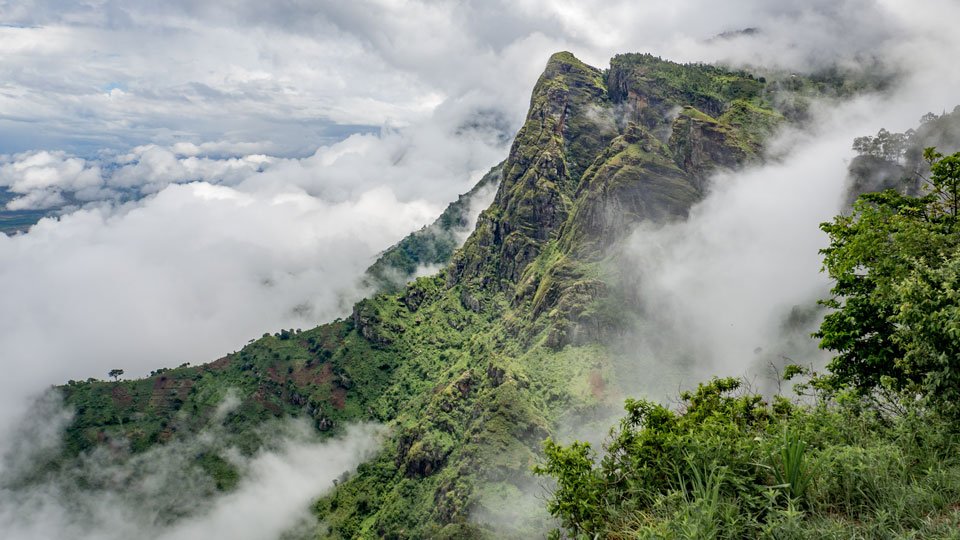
(547, 158)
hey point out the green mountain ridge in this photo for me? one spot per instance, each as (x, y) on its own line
(474, 367)
(434, 244)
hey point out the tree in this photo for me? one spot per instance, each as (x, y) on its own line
(861, 145)
(115, 373)
(886, 145)
(929, 330)
(944, 180)
(895, 265)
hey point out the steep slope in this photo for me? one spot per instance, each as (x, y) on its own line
(473, 367)
(568, 124)
(434, 244)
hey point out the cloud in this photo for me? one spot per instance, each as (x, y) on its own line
(40, 178)
(38, 199)
(290, 479)
(184, 275)
(162, 494)
(435, 160)
(284, 80)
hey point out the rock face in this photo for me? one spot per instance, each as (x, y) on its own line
(568, 124)
(598, 153)
(635, 178)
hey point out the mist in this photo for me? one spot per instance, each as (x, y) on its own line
(732, 290)
(163, 494)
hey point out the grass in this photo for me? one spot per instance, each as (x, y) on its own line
(791, 467)
(731, 466)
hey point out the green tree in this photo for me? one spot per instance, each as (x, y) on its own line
(944, 180)
(886, 145)
(928, 330)
(890, 262)
(115, 373)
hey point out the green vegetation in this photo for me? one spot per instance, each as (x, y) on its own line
(894, 263)
(873, 456)
(733, 466)
(886, 145)
(472, 368)
(707, 88)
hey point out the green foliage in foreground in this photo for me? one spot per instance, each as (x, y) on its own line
(730, 465)
(896, 266)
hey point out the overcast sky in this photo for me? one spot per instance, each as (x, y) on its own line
(235, 165)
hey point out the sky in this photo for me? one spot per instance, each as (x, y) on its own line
(221, 170)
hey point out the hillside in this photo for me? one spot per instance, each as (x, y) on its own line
(432, 246)
(472, 368)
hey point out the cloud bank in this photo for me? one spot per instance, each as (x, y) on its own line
(163, 494)
(292, 77)
(732, 290)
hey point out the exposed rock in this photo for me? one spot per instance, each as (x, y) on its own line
(412, 297)
(469, 301)
(324, 424)
(495, 375)
(545, 162)
(869, 174)
(369, 324)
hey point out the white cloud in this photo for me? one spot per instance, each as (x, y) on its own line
(185, 275)
(162, 494)
(37, 200)
(43, 171)
(288, 480)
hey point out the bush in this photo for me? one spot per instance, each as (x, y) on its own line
(731, 466)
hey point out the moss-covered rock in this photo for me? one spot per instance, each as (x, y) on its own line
(568, 124)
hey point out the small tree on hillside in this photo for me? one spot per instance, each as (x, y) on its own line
(115, 373)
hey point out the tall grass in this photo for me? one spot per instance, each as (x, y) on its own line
(730, 466)
(791, 467)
